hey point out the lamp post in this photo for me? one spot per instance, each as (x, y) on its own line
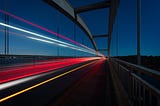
(138, 32)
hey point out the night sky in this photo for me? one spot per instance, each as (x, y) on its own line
(127, 26)
(42, 14)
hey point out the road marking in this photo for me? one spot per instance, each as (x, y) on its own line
(51, 79)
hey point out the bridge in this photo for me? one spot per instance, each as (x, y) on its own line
(51, 55)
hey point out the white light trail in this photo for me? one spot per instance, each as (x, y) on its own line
(23, 80)
(60, 43)
(46, 41)
(32, 33)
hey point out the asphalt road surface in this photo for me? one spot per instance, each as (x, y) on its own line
(82, 84)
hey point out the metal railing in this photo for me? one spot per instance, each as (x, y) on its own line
(141, 84)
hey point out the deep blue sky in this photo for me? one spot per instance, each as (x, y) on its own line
(97, 20)
(127, 25)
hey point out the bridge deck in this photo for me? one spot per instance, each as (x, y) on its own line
(94, 89)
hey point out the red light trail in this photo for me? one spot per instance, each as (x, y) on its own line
(17, 72)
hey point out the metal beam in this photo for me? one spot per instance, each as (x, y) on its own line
(103, 4)
(100, 36)
(112, 14)
(64, 7)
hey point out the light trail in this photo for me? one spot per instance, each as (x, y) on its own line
(47, 30)
(64, 44)
(44, 82)
(17, 72)
(19, 81)
(46, 41)
(42, 40)
(33, 33)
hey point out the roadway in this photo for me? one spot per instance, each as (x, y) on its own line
(51, 87)
(10, 73)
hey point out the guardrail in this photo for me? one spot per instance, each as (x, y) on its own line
(141, 84)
